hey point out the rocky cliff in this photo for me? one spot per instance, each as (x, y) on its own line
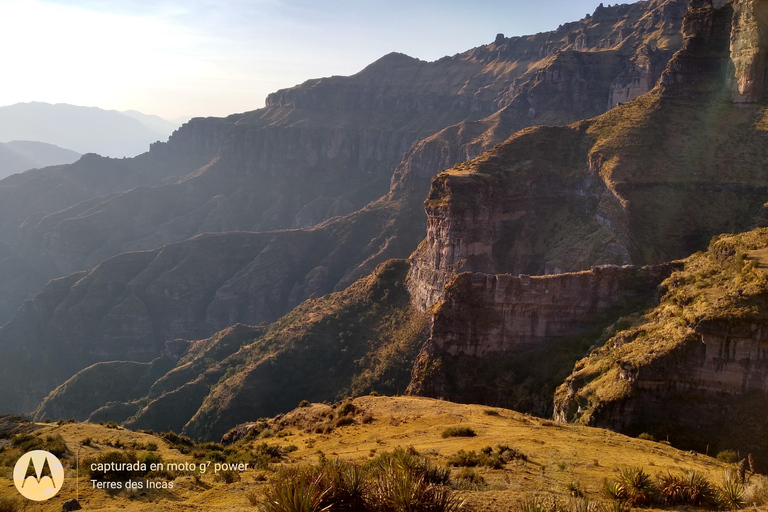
(488, 332)
(701, 351)
(650, 181)
(749, 50)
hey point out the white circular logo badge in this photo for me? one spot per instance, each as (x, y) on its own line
(38, 475)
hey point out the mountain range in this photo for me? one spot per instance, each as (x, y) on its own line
(81, 129)
(20, 155)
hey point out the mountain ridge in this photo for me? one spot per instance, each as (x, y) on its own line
(337, 251)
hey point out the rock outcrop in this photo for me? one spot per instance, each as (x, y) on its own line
(749, 50)
(607, 190)
(486, 322)
(701, 351)
(650, 181)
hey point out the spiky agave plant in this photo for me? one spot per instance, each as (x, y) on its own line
(637, 485)
(347, 485)
(400, 489)
(672, 489)
(301, 492)
(698, 490)
(731, 493)
(614, 491)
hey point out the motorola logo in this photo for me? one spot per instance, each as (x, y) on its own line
(38, 475)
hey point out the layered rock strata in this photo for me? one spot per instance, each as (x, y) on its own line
(483, 320)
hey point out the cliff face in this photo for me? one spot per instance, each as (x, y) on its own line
(701, 351)
(607, 190)
(488, 332)
(749, 50)
(515, 313)
(553, 216)
(650, 181)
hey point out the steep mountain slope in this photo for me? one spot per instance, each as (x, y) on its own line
(509, 341)
(352, 342)
(21, 155)
(323, 148)
(701, 350)
(649, 181)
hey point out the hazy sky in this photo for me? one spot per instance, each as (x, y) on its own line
(216, 57)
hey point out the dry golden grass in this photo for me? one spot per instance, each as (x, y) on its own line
(557, 455)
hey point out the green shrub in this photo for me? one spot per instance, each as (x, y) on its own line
(491, 412)
(346, 408)
(150, 458)
(304, 403)
(464, 459)
(228, 476)
(55, 445)
(176, 440)
(394, 482)
(151, 447)
(487, 457)
(458, 432)
(27, 442)
(347, 484)
(414, 462)
(646, 436)
(728, 456)
(399, 490)
(469, 479)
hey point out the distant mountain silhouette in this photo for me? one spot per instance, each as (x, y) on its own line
(82, 129)
(21, 155)
(155, 123)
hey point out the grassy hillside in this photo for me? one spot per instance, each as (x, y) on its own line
(551, 460)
